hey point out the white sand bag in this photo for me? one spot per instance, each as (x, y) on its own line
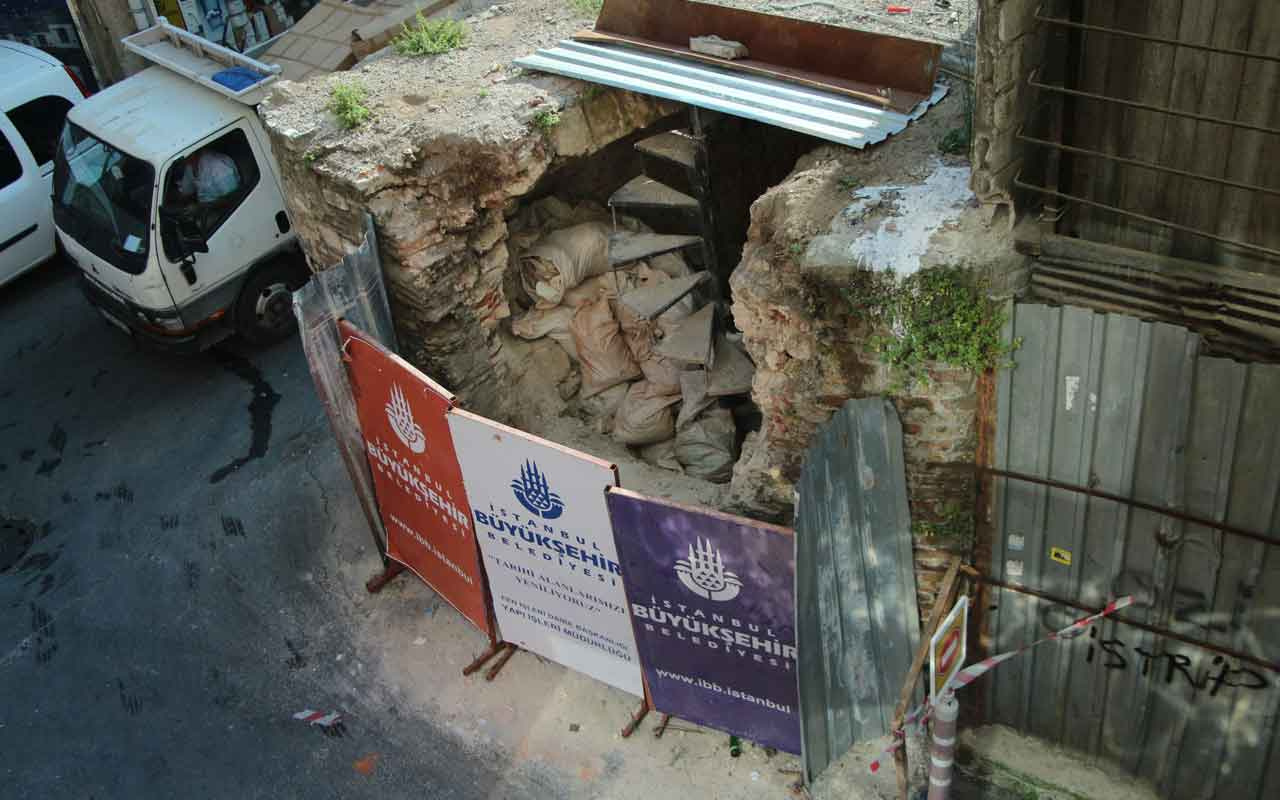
(602, 350)
(705, 446)
(553, 322)
(563, 259)
(646, 415)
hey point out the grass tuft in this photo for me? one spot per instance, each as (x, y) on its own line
(346, 101)
(546, 119)
(430, 37)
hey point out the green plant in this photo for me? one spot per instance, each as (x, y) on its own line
(429, 37)
(484, 93)
(848, 183)
(956, 526)
(796, 248)
(546, 119)
(936, 315)
(311, 156)
(346, 101)
(591, 7)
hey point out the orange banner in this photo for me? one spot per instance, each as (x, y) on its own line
(416, 476)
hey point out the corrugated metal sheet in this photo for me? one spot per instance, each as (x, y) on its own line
(857, 623)
(1133, 409)
(352, 290)
(825, 115)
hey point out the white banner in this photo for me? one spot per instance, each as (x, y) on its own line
(547, 542)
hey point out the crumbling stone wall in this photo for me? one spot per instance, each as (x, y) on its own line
(795, 298)
(440, 187)
(1010, 44)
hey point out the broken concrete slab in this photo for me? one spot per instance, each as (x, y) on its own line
(720, 48)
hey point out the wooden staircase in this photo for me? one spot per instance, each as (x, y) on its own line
(674, 196)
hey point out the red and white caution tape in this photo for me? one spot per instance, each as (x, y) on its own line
(920, 714)
(325, 719)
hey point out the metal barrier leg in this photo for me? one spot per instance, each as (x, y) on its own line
(503, 658)
(636, 719)
(379, 582)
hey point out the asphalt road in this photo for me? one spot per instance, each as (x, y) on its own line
(177, 545)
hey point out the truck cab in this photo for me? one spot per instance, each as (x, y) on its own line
(167, 198)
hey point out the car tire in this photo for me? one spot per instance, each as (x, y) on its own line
(264, 310)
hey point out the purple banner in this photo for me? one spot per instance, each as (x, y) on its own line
(713, 606)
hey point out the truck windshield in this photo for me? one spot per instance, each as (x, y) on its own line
(102, 199)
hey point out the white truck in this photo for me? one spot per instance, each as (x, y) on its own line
(168, 199)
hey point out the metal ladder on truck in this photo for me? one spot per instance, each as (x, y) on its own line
(201, 61)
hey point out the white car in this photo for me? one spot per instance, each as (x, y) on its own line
(36, 92)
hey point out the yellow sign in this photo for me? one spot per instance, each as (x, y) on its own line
(948, 647)
(1063, 557)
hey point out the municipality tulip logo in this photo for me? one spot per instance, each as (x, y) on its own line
(401, 418)
(534, 493)
(703, 573)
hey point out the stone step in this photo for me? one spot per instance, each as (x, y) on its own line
(626, 247)
(650, 301)
(645, 192)
(674, 146)
(731, 371)
(690, 342)
(693, 393)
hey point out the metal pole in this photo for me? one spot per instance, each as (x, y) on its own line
(942, 749)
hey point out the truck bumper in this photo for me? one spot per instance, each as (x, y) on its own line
(124, 317)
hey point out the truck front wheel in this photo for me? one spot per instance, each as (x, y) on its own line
(264, 312)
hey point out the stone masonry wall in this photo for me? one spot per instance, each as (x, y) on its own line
(439, 187)
(811, 240)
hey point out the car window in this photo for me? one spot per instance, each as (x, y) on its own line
(10, 166)
(39, 122)
(208, 185)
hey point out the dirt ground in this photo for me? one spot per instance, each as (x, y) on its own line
(944, 21)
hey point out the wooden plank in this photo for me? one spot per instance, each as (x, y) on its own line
(854, 55)
(1253, 216)
(1211, 148)
(650, 301)
(858, 622)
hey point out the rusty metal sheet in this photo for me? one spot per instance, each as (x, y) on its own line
(1134, 409)
(857, 622)
(883, 62)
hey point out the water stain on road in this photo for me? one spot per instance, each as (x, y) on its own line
(16, 538)
(261, 407)
(43, 635)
